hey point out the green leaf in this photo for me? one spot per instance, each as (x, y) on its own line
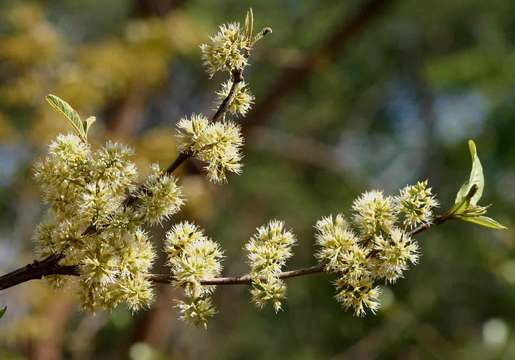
(2, 311)
(462, 206)
(484, 221)
(476, 178)
(88, 122)
(69, 113)
(249, 24)
(465, 206)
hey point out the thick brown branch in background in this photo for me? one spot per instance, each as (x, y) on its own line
(292, 78)
(149, 8)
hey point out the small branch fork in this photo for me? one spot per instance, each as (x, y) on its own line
(50, 266)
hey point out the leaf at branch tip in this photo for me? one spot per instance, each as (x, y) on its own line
(69, 113)
(484, 221)
(461, 207)
(476, 178)
(2, 311)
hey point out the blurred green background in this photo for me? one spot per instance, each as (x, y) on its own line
(350, 95)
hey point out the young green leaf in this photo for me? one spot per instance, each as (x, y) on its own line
(465, 206)
(476, 178)
(88, 122)
(461, 207)
(249, 24)
(69, 113)
(484, 221)
(2, 311)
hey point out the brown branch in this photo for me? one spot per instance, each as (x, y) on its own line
(35, 270)
(239, 280)
(297, 148)
(237, 77)
(152, 8)
(50, 266)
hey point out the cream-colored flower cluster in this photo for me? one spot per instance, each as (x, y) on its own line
(242, 100)
(375, 246)
(192, 257)
(97, 212)
(91, 225)
(267, 252)
(216, 143)
(228, 50)
(416, 203)
(159, 197)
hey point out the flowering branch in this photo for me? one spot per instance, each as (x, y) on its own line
(237, 77)
(50, 266)
(95, 231)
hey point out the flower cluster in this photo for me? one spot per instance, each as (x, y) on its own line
(416, 202)
(159, 197)
(217, 143)
(89, 223)
(242, 99)
(373, 212)
(192, 257)
(267, 252)
(229, 49)
(97, 212)
(376, 246)
(393, 255)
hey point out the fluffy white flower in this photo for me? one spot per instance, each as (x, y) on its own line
(192, 257)
(267, 252)
(394, 254)
(218, 144)
(227, 51)
(358, 295)
(374, 212)
(242, 99)
(416, 203)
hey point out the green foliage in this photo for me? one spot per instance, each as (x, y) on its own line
(476, 179)
(80, 126)
(2, 311)
(465, 206)
(249, 24)
(484, 221)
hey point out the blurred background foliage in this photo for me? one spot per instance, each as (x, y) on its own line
(351, 95)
